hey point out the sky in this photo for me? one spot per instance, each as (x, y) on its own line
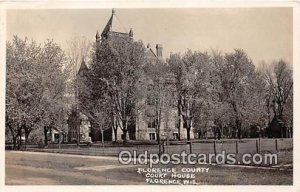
(266, 34)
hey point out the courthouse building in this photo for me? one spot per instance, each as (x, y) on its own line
(143, 127)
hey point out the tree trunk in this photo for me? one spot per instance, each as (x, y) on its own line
(188, 135)
(158, 134)
(201, 133)
(188, 129)
(124, 135)
(20, 138)
(27, 132)
(26, 138)
(14, 142)
(115, 132)
(179, 128)
(160, 151)
(102, 138)
(14, 136)
(77, 128)
(20, 142)
(115, 127)
(46, 136)
(215, 133)
(125, 130)
(238, 127)
(179, 119)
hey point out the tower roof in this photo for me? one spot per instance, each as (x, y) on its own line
(83, 68)
(114, 24)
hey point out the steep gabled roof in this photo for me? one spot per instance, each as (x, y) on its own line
(150, 54)
(114, 25)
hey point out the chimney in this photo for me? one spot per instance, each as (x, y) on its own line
(97, 37)
(159, 50)
(131, 33)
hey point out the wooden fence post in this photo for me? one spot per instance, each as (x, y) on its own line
(190, 145)
(276, 145)
(102, 140)
(256, 144)
(237, 146)
(259, 145)
(215, 150)
(222, 147)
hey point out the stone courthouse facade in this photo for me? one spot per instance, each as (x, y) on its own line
(143, 127)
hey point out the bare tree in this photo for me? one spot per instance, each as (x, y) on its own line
(280, 83)
(159, 86)
(235, 73)
(115, 70)
(78, 51)
(175, 66)
(192, 84)
(280, 80)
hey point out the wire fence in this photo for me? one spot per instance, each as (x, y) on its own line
(208, 146)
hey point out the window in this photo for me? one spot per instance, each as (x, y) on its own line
(152, 136)
(151, 122)
(185, 125)
(175, 136)
(177, 124)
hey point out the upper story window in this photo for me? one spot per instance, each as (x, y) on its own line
(185, 125)
(150, 100)
(175, 136)
(152, 136)
(151, 122)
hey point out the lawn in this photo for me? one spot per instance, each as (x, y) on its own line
(81, 170)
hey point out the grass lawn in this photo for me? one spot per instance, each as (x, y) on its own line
(107, 170)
